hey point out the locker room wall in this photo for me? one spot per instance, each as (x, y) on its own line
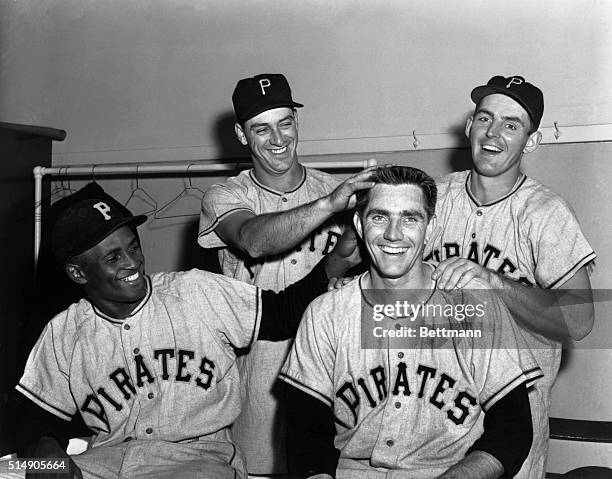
(151, 81)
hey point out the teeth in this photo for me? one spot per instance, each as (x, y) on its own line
(393, 249)
(280, 151)
(491, 148)
(134, 277)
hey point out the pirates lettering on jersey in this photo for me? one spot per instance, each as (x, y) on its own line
(313, 243)
(490, 257)
(427, 383)
(165, 364)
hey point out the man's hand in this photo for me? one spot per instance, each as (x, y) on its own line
(343, 197)
(48, 447)
(337, 283)
(344, 256)
(456, 273)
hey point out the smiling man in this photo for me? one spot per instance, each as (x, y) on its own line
(148, 362)
(365, 406)
(271, 225)
(497, 224)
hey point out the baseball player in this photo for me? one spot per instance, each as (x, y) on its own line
(271, 224)
(148, 361)
(430, 405)
(496, 224)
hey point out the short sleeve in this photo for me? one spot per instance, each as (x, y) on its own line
(218, 203)
(501, 360)
(45, 380)
(310, 364)
(232, 307)
(560, 248)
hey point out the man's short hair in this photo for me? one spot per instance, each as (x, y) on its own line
(402, 175)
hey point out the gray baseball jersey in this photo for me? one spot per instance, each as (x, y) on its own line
(166, 373)
(416, 405)
(259, 430)
(530, 235)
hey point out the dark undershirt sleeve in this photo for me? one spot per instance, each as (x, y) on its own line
(35, 423)
(508, 431)
(310, 435)
(282, 311)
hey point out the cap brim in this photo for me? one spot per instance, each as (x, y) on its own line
(257, 111)
(480, 92)
(133, 221)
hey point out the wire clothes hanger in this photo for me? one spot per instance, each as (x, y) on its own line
(139, 193)
(62, 189)
(189, 191)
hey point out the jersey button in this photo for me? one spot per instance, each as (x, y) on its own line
(400, 355)
(149, 430)
(284, 199)
(150, 395)
(136, 350)
(398, 405)
(294, 261)
(479, 213)
(126, 326)
(473, 235)
(390, 442)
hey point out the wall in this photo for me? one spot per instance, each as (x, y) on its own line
(151, 81)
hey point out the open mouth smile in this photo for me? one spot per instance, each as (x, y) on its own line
(491, 149)
(131, 278)
(279, 151)
(395, 250)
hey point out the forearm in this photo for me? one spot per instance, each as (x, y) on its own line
(273, 233)
(556, 314)
(476, 465)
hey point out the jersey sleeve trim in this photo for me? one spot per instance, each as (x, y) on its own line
(258, 309)
(527, 377)
(220, 218)
(42, 403)
(572, 271)
(308, 390)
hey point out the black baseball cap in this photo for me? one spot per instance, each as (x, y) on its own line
(260, 93)
(530, 97)
(85, 218)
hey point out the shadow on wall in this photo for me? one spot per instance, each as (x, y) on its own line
(227, 143)
(192, 255)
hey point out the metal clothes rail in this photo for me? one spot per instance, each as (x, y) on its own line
(135, 169)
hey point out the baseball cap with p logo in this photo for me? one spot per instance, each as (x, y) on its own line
(83, 223)
(530, 97)
(260, 93)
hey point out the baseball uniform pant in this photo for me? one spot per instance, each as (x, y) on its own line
(151, 459)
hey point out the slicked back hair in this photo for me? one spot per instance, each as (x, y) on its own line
(402, 175)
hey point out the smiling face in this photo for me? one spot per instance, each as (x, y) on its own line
(112, 273)
(394, 225)
(272, 138)
(499, 133)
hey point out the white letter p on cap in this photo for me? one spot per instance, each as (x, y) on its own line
(514, 81)
(104, 209)
(263, 84)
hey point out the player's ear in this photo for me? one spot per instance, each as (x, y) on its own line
(240, 133)
(75, 273)
(295, 117)
(468, 125)
(358, 224)
(533, 142)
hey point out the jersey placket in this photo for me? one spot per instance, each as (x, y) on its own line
(389, 446)
(131, 341)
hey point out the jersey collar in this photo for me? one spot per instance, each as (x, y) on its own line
(519, 182)
(273, 191)
(133, 313)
